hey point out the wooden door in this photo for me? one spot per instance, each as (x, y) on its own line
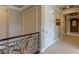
(74, 25)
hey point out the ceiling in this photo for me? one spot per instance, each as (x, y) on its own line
(18, 6)
(21, 6)
(67, 6)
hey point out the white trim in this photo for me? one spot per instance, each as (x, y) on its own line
(70, 10)
(16, 8)
(54, 41)
(23, 8)
(4, 7)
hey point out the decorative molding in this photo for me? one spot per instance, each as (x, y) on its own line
(4, 7)
(70, 10)
(16, 8)
(23, 8)
(12, 7)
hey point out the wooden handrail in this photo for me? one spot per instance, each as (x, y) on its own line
(18, 36)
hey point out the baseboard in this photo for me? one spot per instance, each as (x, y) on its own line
(42, 50)
(73, 34)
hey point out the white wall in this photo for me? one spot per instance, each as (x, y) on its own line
(48, 31)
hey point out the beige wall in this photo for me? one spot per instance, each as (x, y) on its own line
(38, 17)
(31, 20)
(3, 23)
(14, 22)
(10, 22)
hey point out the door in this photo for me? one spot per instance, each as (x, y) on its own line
(74, 25)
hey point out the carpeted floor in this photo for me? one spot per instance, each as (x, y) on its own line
(67, 45)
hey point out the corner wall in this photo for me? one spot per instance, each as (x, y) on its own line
(49, 32)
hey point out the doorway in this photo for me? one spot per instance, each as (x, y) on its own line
(74, 25)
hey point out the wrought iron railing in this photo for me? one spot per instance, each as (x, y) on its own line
(22, 44)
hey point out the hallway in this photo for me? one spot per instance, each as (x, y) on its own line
(67, 45)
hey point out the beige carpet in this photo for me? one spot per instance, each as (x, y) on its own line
(71, 40)
(67, 45)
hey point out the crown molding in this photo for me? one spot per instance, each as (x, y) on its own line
(12, 7)
(19, 9)
(3, 7)
(16, 8)
(25, 7)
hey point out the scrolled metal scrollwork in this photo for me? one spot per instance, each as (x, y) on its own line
(27, 44)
